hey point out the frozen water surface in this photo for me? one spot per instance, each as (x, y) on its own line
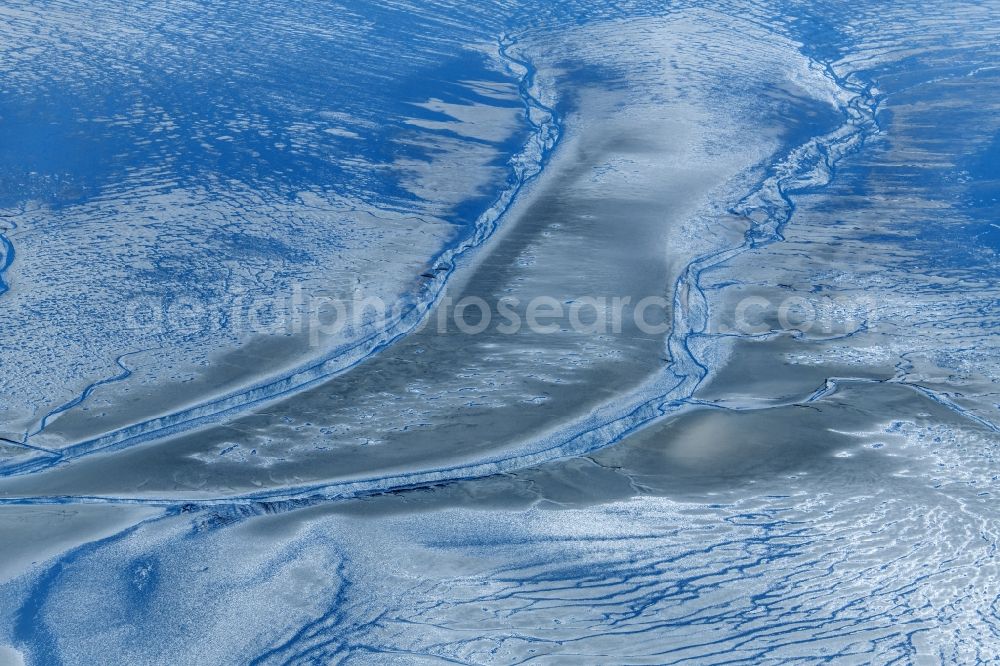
(796, 463)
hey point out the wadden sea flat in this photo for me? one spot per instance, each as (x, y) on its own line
(391, 332)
